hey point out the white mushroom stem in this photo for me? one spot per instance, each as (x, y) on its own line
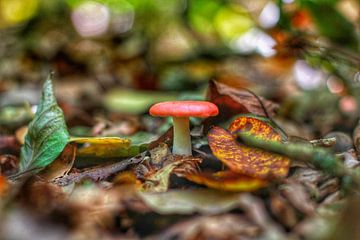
(182, 139)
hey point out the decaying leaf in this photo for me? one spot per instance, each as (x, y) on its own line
(8, 164)
(247, 160)
(47, 135)
(190, 201)
(102, 146)
(225, 226)
(227, 181)
(158, 181)
(232, 101)
(3, 185)
(282, 210)
(254, 126)
(62, 165)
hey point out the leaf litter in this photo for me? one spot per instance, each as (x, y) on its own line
(201, 196)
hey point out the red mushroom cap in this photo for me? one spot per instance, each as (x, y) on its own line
(201, 109)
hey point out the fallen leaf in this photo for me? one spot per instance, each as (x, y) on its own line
(254, 126)
(8, 164)
(297, 195)
(102, 146)
(4, 185)
(191, 201)
(47, 134)
(158, 180)
(62, 165)
(21, 133)
(134, 101)
(227, 226)
(9, 144)
(232, 101)
(244, 159)
(227, 181)
(282, 210)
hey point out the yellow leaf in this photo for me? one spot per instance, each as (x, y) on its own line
(227, 181)
(102, 146)
(244, 159)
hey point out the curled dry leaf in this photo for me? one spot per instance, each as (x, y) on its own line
(158, 181)
(62, 165)
(246, 160)
(232, 101)
(227, 181)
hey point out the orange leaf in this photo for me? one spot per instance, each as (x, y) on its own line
(227, 181)
(244, 159)
(255, 127)
(4, 185)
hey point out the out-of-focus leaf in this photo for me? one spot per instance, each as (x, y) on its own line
(102, 146)
(247, 160)
(223, 226)
(201, 13)
(13, 116)
(3, 185)
(47, 135)
(227, 181)
(336, 27)
(62, 164)
(191, 201)
(134, 101)
(231, 23)
(232, 101)
(16, 11)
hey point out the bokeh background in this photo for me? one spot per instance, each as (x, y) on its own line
(124, 55)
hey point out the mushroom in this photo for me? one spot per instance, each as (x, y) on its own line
(180, 111)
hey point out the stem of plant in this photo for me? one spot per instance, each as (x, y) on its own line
(182, 140)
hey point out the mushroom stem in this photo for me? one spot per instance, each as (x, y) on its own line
(182, 140)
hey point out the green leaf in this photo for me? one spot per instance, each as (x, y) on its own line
(47, 135)
(134, 101)
(332, 24)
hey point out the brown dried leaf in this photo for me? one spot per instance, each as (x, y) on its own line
(190, 201)
(228, 226)
(8, 164)
(296, 194)
(158, 181)
(232, 101)
(9, 144)
(282, 210)
(62, 165)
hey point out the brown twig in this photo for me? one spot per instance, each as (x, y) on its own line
(99, 173)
